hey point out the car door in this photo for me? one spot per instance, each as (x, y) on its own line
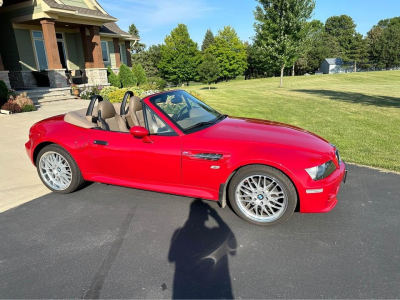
(120, 155)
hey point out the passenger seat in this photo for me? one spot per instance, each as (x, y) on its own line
(108, 119)
(135, 114)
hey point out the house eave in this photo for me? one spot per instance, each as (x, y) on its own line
(121, 36)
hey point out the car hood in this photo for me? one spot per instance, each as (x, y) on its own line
(272, 133)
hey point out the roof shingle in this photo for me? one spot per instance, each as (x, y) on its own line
(86, 11)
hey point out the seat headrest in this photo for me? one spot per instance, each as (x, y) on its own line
(107, 110)
(135, 104)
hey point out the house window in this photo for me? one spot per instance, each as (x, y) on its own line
(40, 50)
(104, 50)
(61, 50)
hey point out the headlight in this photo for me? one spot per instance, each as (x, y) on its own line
(322, 171)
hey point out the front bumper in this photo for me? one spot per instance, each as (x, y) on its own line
(320, 196)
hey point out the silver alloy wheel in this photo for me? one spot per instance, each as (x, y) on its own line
(261, 198)
(55, 170)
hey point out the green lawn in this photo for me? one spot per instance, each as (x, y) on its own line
(360, 113)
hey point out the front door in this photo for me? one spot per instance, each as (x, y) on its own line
(120, 155)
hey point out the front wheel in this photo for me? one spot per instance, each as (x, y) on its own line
(58, 170)
(262, 195)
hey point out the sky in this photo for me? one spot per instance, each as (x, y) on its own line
(156, 18)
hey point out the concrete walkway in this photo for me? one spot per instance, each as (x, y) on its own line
(19, 181)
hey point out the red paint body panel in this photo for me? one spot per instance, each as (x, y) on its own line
(168, 163)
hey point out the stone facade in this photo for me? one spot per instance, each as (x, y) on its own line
(22, 79)
(4, 77)
(57, 78)
(97, 76)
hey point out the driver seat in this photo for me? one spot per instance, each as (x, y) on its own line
(135, 115)
(108, 119)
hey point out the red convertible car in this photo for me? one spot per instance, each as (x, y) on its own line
(173, 143)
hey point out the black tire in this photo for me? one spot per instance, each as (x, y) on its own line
(77, 180)
(271, 172)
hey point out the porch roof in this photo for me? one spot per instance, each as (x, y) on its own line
(80, 10)
(113, 29)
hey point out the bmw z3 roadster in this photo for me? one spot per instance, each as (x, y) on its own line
(173, 143)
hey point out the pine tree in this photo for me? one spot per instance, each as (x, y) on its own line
(126, 76)
(180, 56)
(137, 46)
(209, 69)
(208, 40)
(113, 78)
(139, 73)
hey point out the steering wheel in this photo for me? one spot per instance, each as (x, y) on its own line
(127, 96)
(89, 111)
(181, 112)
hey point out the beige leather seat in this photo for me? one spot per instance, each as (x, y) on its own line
(135, 115)
(109, 119)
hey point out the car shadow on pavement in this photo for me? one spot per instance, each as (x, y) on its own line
(200, 254)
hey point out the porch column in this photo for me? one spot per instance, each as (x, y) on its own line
(117, 53)
(50, 42)
(128, 53)
(92, 47)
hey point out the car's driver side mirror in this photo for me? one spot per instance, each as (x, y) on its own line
(141, 133)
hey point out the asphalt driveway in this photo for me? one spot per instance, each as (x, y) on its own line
(114, 242)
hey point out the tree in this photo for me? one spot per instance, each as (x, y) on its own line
(281, 29)
(209, 69)
(383, 43)
(149, 59)
(139, 73)
(136, 46)
(126, 76)
(230, 53)
(323, 46)
(180, 56)
(343, 29)
(208, 40)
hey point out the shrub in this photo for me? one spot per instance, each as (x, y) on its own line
(126, 76)
(159, 82)
(28, 107)
(12, 106)
(113, 78)
(23, 99)
(105, 92)
(139, 73)
(117, 96)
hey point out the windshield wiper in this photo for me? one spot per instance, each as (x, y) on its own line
(200, 124)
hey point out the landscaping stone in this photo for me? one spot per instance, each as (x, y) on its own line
(97, 76)
(4, 77)
(57, 78)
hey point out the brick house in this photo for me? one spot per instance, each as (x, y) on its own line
(55, 38)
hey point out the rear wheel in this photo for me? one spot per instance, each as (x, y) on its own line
(58, 170)
(262, 195)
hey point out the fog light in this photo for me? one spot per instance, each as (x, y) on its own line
(316, 191)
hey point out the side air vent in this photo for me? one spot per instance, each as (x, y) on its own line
(209, 156)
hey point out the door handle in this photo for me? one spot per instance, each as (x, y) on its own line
(103, 143)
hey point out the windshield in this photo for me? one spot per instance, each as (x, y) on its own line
(186, 111)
